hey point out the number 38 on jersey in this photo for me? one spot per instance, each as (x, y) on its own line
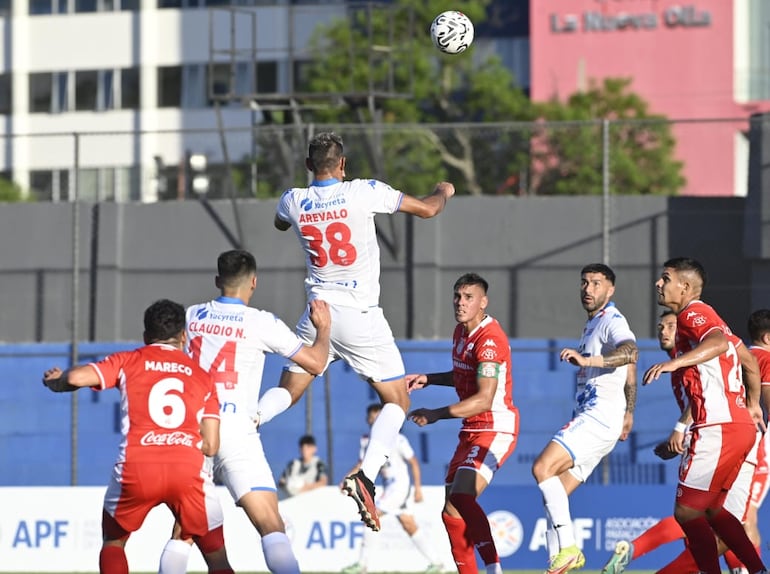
(332, 245)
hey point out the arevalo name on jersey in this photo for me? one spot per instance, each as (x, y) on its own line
(323, 216)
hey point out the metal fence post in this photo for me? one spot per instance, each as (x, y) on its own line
(74, 331)
(606, 191)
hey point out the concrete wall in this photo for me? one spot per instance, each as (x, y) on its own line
(530, 249)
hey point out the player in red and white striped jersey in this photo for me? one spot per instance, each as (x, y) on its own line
(481, 375)
(163, 394)
(724, 417)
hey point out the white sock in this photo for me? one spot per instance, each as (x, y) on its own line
(279, 556)
(368, 541)
(425, 546)
(551, 541)
(382, 439)
(494, 568)
(273, 403)
(557, 506)
(173, 559)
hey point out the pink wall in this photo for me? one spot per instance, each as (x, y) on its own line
(683, 67)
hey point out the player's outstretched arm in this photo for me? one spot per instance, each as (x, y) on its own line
(420, 381)
(71, 380)
(431, 205)
(314, 358)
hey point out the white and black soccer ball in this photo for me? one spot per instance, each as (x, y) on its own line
(452, 32)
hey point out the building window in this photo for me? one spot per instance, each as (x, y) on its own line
(5, 7)
(169, 86)
(47, 185)
(6, 94)
(267, 77)
(131, 5)
(219, 82)
(40, 93)
(85, 5)
(86, 90)
(40, 7)
(129, 88)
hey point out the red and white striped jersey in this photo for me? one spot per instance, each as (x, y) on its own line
(163, 397)
(714, 387)
(334, 221)
(486, 344)
(763, 358)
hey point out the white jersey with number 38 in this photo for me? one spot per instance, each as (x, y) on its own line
(229, 340)
(334, 221)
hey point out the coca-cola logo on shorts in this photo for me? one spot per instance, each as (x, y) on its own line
(176, 438)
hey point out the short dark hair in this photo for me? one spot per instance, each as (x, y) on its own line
(324, 151)
(306, 439)
(235, 265)
(666, 312)
(163, 320)
(472, 279)
(373, 408)
(605, 270)
(759, 324)
(688, 264)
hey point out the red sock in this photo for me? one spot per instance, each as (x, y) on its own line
(732, 560)
(665, 531)
(462, 547)
(682, 564)
(731, 531)
(702, 544)
(112, 560)
(477, 525)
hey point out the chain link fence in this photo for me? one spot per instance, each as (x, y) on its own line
(645, 157)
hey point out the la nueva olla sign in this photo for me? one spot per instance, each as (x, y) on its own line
(674, 16)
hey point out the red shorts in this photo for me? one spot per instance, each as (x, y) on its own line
(483, 452)
(712, 462)
(136, 488)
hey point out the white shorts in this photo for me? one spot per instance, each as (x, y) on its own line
(241, 465)
(361, 338)
(737, 500)
(587, 441)
(395, 498)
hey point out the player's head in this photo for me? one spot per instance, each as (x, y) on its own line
(759, 327)
(307, 446)
(164, 321)
(597, 286)
(681, 282)
(325, 155)
(667, 330)
(372, 412)
(470, 299)
(236, 271)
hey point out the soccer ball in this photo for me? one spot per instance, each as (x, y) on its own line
(451, 32)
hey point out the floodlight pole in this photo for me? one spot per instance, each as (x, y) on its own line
(75, 331)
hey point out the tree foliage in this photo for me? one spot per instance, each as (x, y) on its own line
(567, 159)
(421, 116)
(10, 192)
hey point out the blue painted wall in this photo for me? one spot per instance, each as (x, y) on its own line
(36, 447)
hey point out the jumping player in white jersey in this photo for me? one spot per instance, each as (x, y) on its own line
(229, 339)
(605, 400)
(395, 498)
(334, 222)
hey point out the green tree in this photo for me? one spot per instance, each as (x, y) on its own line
(10, 192)
(381, 71)
(567, 158)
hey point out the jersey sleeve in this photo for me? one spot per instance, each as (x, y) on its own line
(618, 330)
(383, 198)
(493, 348)
(283, 209)
(697, 322)
(110, 369)
(282, 339)
(320, 470)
